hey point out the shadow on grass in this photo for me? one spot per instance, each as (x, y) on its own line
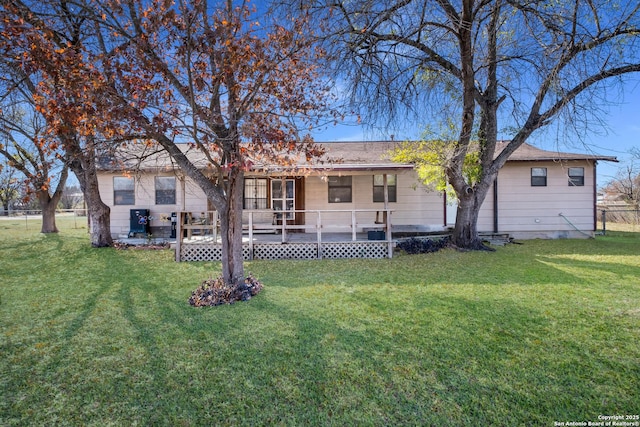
(337, 342)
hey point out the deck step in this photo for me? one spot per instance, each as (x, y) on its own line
(496, 239)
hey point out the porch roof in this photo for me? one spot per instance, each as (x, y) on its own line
(360, 155)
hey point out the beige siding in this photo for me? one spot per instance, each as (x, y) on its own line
(523, 211)
(527, 211)
(415, 206)
(187, 194)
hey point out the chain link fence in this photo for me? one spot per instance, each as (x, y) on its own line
(618, 219)
(32, 218)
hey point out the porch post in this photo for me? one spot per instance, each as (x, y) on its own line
(387, 215)
(283, 187)
(386, 190)
(389, 238)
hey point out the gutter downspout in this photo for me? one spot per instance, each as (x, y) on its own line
(444, 209)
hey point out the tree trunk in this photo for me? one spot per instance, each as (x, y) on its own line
(465, 233)
(98, 212)
(48, 203)
(48, 207)
(231, 234)
(84, 166)
(99, 223)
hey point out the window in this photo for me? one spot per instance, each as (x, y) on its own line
(339, 189)
(123, 191)
(576, 177)
(165, 190)
(255, 193)
(378, 188)
(538, 177)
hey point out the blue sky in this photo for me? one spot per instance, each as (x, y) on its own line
(621, 134)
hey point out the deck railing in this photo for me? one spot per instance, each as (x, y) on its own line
(348, 222)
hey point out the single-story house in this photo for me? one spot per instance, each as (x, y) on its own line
(538, 194)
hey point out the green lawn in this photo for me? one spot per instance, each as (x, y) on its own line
(543, 332)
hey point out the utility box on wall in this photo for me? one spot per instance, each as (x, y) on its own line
(139, 222)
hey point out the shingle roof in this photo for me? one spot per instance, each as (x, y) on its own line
(527, 152)
(360, 155)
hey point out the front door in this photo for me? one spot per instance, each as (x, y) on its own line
(286, 198)
(283, 198)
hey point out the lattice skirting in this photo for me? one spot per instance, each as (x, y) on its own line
(206, 252)
(355, 250)
(213, 252)
(287, 251)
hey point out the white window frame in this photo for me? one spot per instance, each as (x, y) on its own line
(124, 196)
(576, 176)
(537, 177)
(167, 195)
(341, 183)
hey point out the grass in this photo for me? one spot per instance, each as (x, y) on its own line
(529, 335)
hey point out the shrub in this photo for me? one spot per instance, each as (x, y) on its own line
(416, 245)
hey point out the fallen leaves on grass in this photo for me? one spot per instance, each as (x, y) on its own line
(214, 292)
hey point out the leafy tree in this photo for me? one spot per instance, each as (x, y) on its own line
(9, 186)
(42, 52)
(429, 157)
(482, 65)
(235, 83)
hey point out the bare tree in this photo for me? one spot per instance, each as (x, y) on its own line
(71, 197)
(9, 186)
(234, 83)
(26, 147)
(474, 67)
(626, 185)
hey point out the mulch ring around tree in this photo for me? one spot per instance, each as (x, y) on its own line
(214, 292)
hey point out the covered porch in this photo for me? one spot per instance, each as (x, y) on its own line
(354, 233)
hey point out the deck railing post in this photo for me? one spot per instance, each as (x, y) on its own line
(215, 226)
(284, 226)
(319, 233)
(250, 235)
(353, 225)
(388, 234)
(179, 236)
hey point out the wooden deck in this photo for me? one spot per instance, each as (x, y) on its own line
(263, 240)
